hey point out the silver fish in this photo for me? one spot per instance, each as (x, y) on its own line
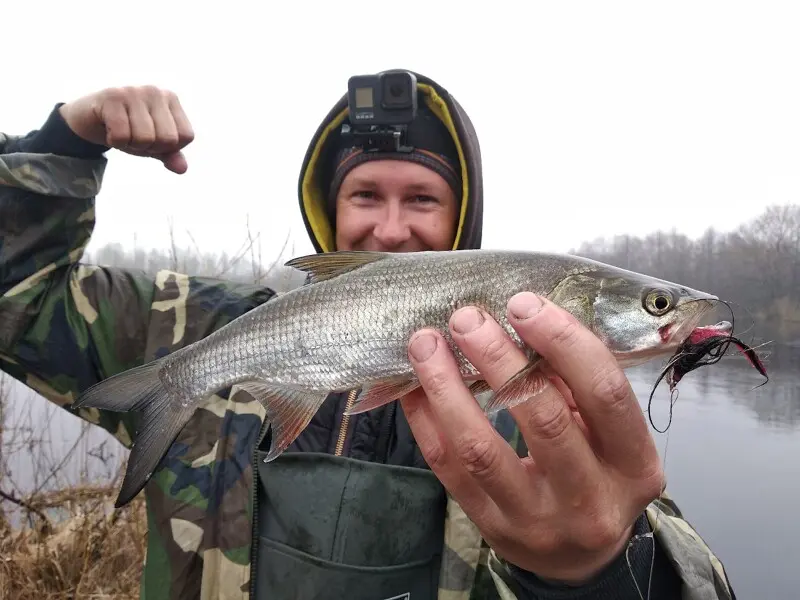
(349, 325)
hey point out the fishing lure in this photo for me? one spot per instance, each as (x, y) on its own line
(705, 346)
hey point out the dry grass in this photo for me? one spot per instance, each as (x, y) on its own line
(60, 536)
(96, 552)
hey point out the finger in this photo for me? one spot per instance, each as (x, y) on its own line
(143, 130)
(554, 439)
(477, 446)
(185, 131)
(166, 129)
(114, 116)
(559, 384)
(439, 455)
(566, 393)
(175, 162)
(602, 393)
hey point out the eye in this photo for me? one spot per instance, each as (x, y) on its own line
(658, 303)
(424, 199)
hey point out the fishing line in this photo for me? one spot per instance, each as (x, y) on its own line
(651, 536)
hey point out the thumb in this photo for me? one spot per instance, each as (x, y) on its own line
(175, 162)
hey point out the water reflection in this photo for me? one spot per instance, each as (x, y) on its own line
(731, 459)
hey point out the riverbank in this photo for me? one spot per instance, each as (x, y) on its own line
(94, 552)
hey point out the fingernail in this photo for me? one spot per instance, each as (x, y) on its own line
(467, 319)
(422, 346)
(524, 305)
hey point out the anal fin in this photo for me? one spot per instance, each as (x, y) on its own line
(382, 393)
(527, 383)
(288, 411)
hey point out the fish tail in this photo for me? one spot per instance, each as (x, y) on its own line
(161, 416)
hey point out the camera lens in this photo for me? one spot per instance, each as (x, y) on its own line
(397, 90)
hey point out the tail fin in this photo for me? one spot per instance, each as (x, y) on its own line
(161, 418)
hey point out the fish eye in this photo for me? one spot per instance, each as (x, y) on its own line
(658, 303)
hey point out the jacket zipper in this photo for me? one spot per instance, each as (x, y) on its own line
(351, 398)
(254, 533)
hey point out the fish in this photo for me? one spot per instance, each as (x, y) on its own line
(347, 327)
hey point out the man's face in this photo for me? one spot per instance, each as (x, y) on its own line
(395, 206)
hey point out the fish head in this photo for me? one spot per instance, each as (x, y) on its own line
(640, 317)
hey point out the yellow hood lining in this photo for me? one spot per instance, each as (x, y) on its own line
(314, 200)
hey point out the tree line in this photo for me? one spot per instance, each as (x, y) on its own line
(756, 266)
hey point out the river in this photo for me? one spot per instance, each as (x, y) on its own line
(732, 458)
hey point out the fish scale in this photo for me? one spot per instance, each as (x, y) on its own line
(349, 327)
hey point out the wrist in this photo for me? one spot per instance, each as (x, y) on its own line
(630, 571)
(66, 112)
(70, 136)
(583, 573)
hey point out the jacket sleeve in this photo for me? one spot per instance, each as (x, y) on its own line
(65, 325)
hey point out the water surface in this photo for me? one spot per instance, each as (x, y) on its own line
(732, 461)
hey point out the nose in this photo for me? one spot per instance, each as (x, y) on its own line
(392, 230)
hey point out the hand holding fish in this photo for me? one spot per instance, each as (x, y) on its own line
(143, 121)
(567, 510)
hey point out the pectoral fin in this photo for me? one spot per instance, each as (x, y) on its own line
(528, 382)
(382, 393)
(288, 411)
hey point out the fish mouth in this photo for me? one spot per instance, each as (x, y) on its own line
(675, 333)
(698, 334)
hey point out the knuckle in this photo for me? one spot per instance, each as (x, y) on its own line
(115, 137)
(494, 352)
(130, 92)
(113, 94)
(549, 418)
(565, 332)
(168, 139)
(602, 531)
(479, 456)
(185, 135)
(434, 453)
(612, 386)
(437, 383)
(549, 541)
(150, 91)
(143, 138)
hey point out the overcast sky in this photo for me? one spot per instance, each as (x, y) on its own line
(595, 118)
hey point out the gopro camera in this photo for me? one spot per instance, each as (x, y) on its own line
(380, 108)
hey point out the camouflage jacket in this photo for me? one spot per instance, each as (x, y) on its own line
(65, 325)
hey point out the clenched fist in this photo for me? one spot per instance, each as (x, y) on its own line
(143, 121)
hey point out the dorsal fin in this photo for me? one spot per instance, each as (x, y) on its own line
(330, 264)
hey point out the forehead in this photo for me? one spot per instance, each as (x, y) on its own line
(394, 173)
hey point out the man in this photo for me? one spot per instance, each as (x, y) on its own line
(353, 508)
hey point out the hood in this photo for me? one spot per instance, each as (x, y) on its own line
(318, 157)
